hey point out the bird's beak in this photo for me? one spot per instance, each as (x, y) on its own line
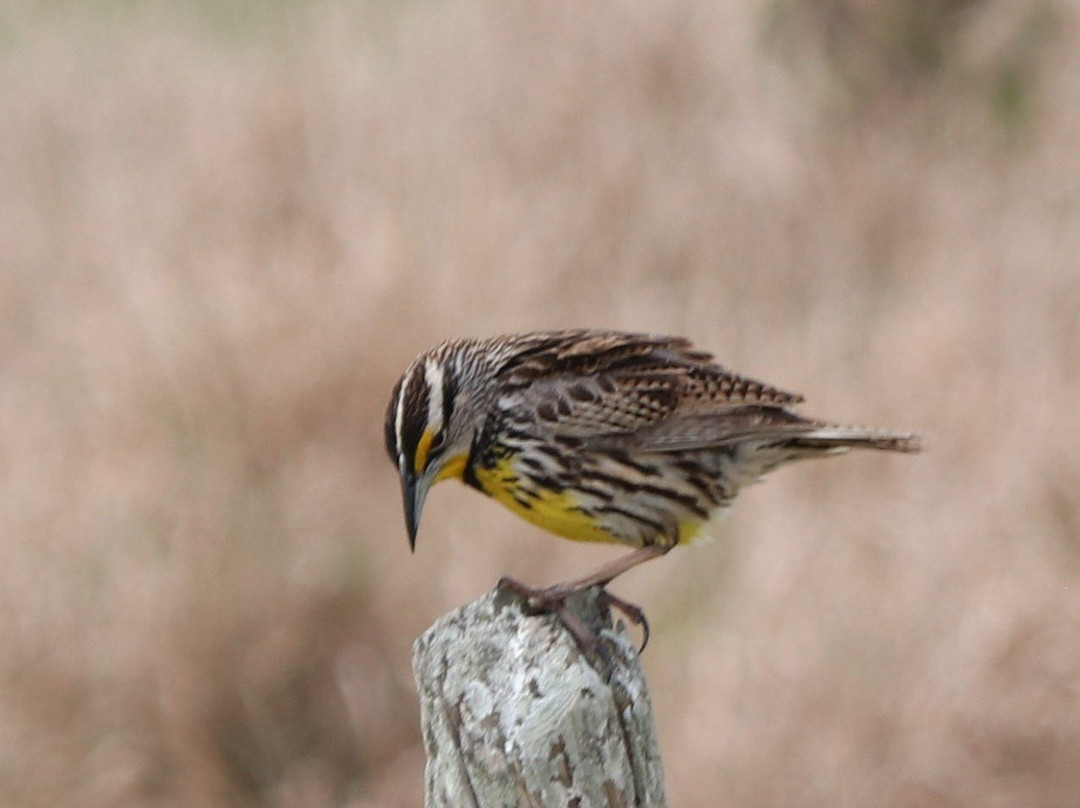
(413, 492)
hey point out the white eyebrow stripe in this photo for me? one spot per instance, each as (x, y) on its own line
(399, 418)
(433, 375)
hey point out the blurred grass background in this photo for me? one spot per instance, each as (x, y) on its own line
(225, 228)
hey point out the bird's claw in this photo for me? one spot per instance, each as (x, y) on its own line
(634, 613)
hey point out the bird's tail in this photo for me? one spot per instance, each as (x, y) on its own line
(829, 438)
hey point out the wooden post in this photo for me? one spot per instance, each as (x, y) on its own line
(514, 714)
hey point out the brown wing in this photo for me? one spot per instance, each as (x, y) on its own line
(647, 392)
(716, 430)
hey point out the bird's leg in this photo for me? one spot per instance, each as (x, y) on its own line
(553, 598)
(613, 569)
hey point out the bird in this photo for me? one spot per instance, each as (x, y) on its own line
(599, 436)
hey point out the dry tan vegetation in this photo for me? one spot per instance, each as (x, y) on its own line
(224, 231)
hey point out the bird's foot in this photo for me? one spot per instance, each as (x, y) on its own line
(552, 600)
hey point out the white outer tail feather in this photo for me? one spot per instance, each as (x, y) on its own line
(839, 438)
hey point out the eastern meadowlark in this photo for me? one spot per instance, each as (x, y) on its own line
(599, 436)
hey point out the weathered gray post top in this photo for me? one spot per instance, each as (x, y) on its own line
(515, 714)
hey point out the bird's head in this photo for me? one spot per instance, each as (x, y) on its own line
(431, 419)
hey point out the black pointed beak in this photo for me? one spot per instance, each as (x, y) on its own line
(413, 501)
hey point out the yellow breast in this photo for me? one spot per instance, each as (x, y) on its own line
(558, 512)
(553, 511)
